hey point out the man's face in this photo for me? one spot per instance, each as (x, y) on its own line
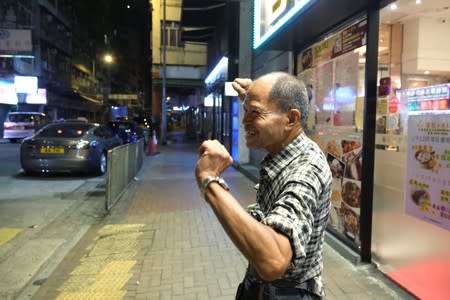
(264, 124)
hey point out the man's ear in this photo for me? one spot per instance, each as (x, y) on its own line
(294, 117)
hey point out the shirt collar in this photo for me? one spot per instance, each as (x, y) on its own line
(273, 165)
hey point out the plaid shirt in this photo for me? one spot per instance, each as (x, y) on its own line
(294, 199)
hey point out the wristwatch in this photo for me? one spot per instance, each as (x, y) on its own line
(210, 179)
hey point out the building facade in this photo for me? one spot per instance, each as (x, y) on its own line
(378, 74)
(178, 70)
(58, 47)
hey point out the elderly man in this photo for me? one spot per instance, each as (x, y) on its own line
(282, 234)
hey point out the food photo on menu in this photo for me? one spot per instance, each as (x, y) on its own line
(421, 198)
(351, 193)
(426, 158)
(333, 148)
(353, 159)
(350, 222)
(336, 166)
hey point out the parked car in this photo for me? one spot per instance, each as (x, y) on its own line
(129, 131)
(19, 125)
(68, 147)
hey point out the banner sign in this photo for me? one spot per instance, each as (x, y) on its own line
(350, 39)
(14, 41)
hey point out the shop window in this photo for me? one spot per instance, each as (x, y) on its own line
(333, 70)
(412, 142)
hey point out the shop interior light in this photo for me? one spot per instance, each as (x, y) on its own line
(418, 1)
(394, 6)
(16, 56)
(222, 66)
(259, 39)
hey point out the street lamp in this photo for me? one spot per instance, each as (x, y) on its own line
(108, 58)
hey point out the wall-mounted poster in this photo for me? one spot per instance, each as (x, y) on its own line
(427, 195)
(345, 161)
(324, 94)
(346, 86)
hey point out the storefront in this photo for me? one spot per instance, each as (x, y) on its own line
(378, 76)
(219, 107)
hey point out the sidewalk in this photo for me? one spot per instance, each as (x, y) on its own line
(162, 241)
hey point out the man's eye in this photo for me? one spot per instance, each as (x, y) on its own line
(254, 114)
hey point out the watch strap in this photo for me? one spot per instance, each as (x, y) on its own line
(204, 184)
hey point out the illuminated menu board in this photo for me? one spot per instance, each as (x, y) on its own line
(428, 99)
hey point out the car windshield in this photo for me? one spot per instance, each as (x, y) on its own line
(21, 118)
(64, 130)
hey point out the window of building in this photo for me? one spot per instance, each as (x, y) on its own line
(173, 34)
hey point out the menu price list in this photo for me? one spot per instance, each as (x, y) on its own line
(431, 98)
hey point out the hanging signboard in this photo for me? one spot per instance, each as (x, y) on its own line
(270, 16)
(13, 41)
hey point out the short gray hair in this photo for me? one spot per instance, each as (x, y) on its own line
(290, 92)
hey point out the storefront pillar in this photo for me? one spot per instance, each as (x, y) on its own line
(368, 137)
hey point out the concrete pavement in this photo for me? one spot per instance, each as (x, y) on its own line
(162, 241)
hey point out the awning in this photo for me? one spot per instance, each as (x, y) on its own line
(199, 19)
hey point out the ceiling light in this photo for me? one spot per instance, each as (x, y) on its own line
(418, 1)
(426, 72)
(394, 6)
(219, 70)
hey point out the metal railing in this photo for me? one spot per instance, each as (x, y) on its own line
(123, 163)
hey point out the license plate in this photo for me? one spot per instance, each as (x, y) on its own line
(58, 150)
(19, 127)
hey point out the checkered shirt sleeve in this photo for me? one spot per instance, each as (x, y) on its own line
(294, 199)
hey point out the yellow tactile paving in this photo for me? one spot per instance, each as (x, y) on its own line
(104, 271)
(110, 282)
(89, 267)
(118, 267)
(104, 295)
(112, 246)
(114, 228)
(8, 233)
(78, 283)
(113, 256)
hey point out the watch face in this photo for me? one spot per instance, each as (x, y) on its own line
(223, 184)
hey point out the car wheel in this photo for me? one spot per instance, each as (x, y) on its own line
(102, 164)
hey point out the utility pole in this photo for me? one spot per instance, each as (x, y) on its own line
(163, 100)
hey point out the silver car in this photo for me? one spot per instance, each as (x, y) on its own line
(18, 125)
(68, 147)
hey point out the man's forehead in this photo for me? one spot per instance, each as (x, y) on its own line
(252, 99)
(257, 92)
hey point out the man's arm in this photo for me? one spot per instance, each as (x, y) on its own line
(268, 251)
